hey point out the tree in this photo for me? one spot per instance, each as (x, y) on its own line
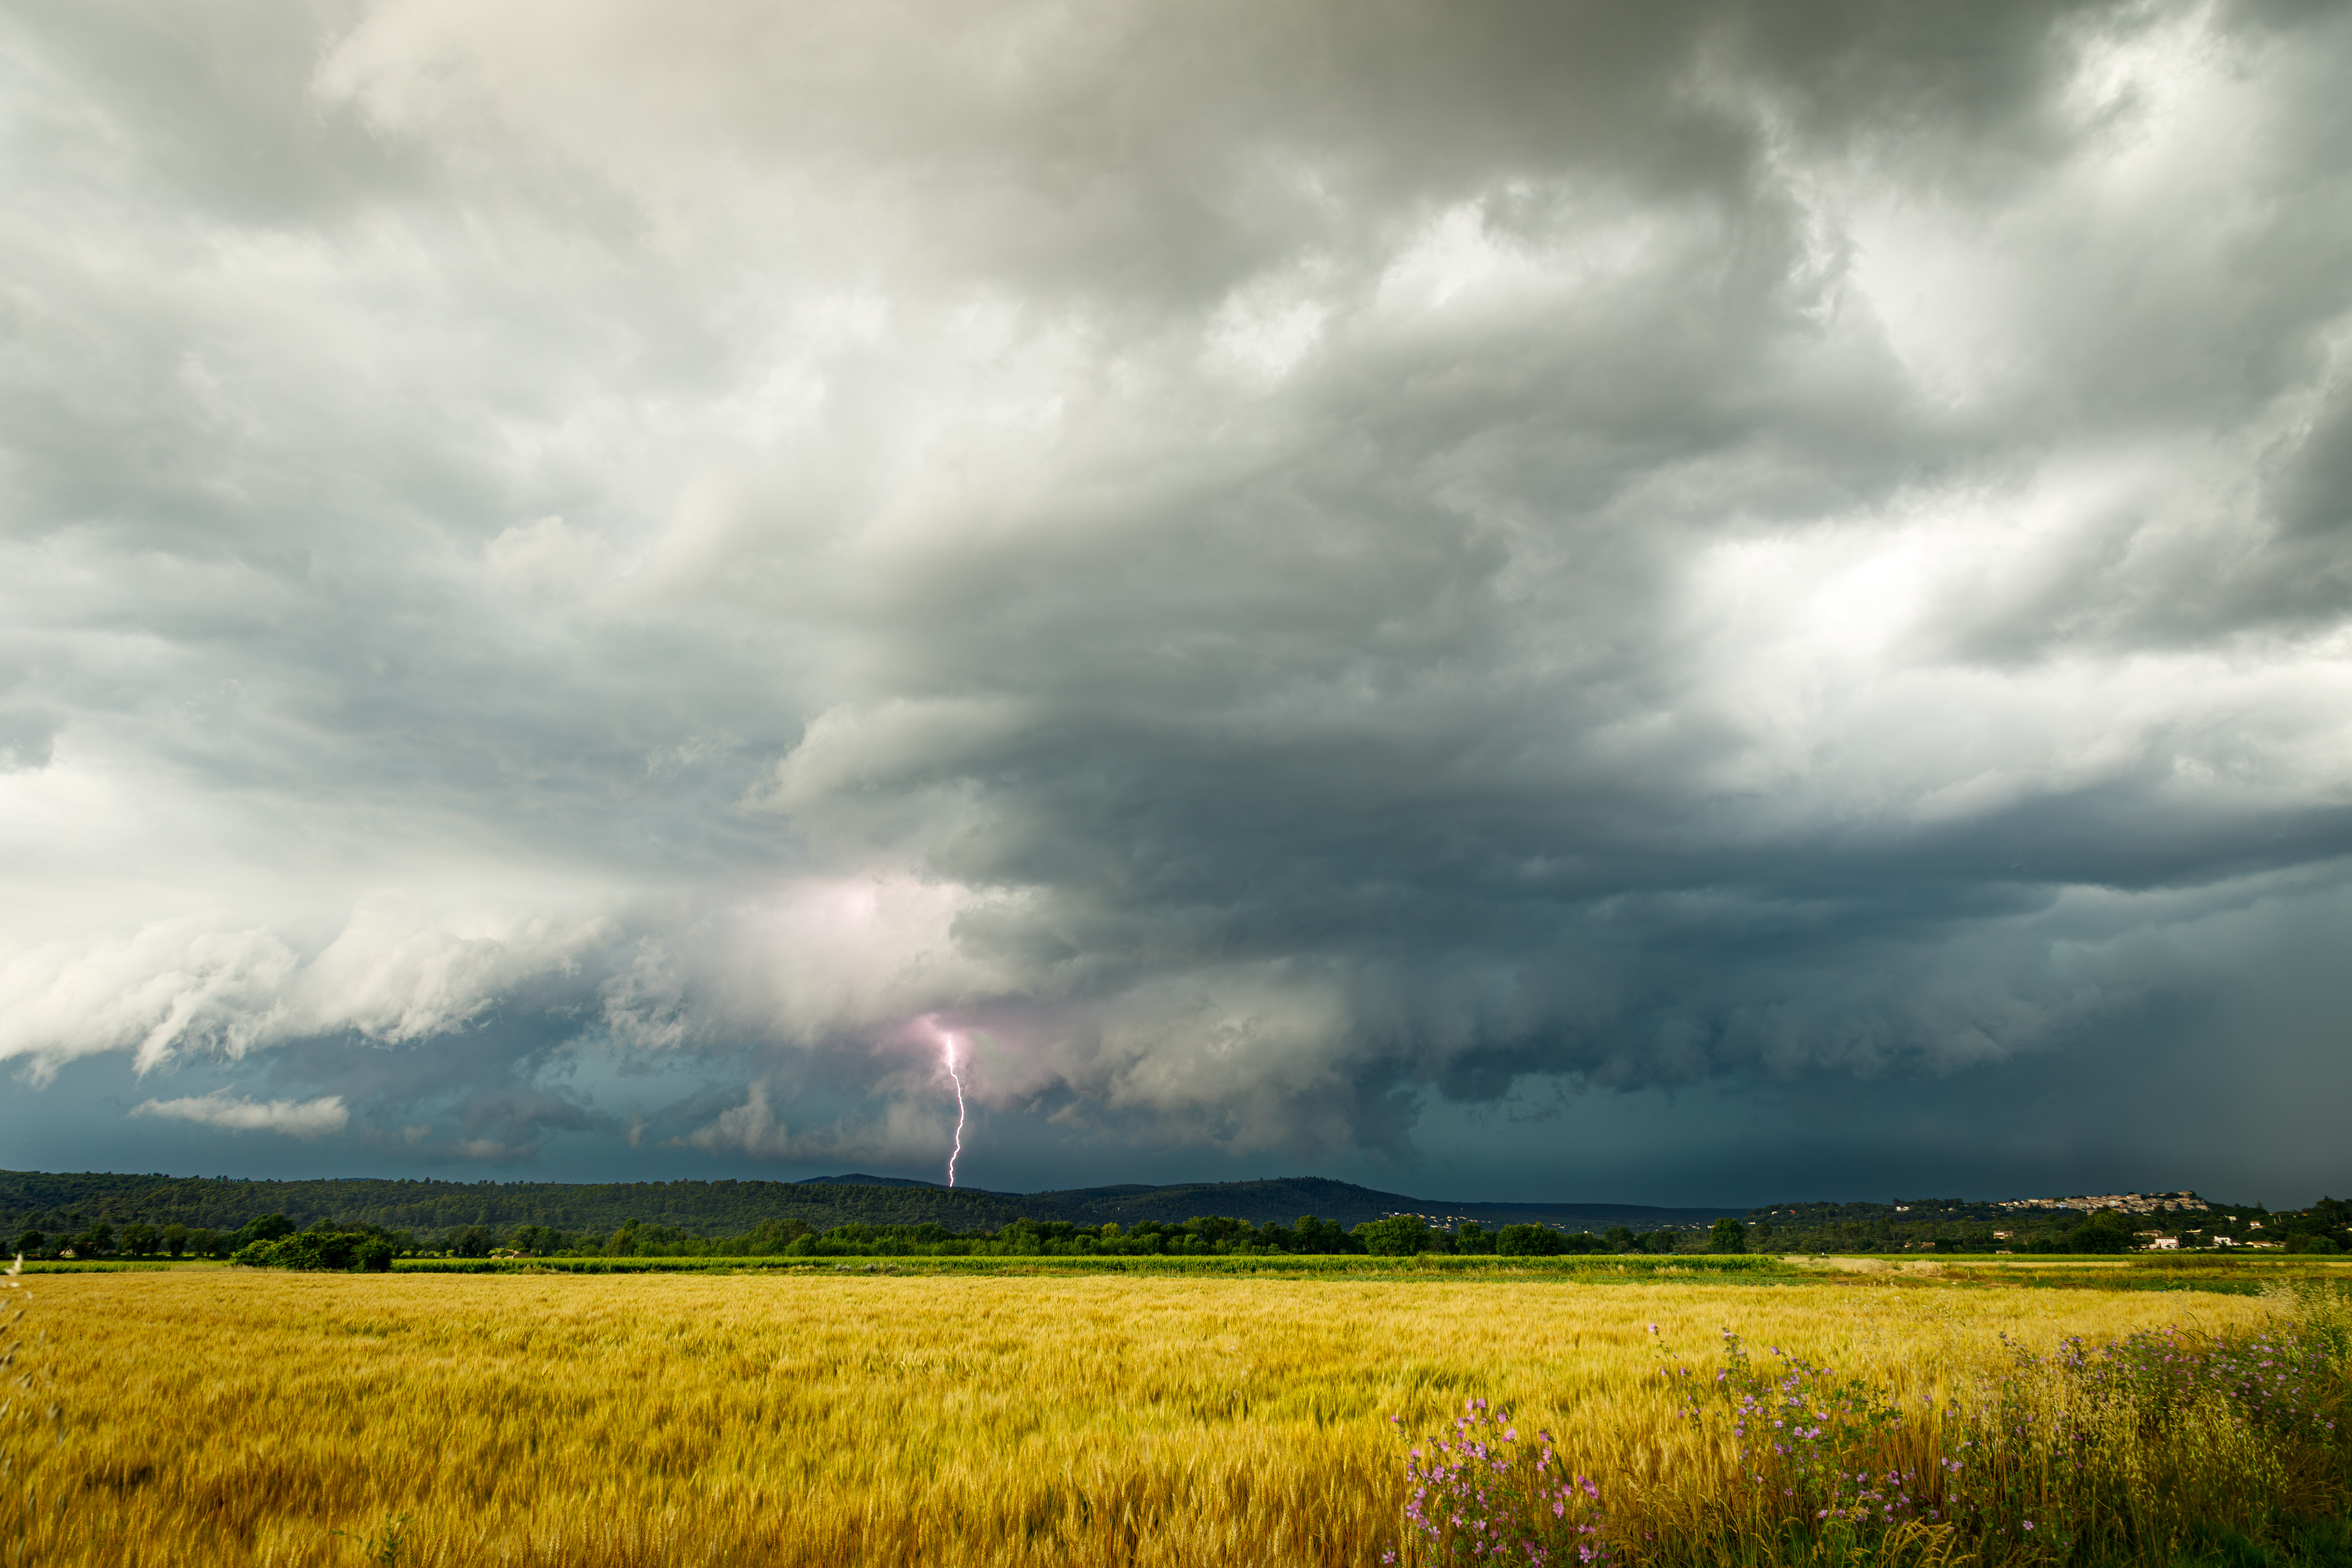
(139, 1238)
(1728, 1235)
(1620, 1239)
(1529, 1241)
(320, 1250)
(1398, 1236)
(2106, 1231)
(1218, 1230)
(176, 1239)
(1473, 1240)
(772, 1235)
(265, 1227)
(469, 1241)
(539, 1240)
(1324, 1236)
(30, 1243)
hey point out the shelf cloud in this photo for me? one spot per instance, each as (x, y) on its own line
(1374, 589)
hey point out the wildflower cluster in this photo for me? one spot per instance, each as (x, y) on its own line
(1811, 1444)
(1482, 1494)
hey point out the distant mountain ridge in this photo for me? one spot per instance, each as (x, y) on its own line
(1277, 1199)
(54, 1202)
(1285, 1198)
(865, 1180)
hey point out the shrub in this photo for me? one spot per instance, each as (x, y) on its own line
(316, 1251)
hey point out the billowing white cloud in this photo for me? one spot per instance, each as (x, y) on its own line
(1285, 567)
(391, 974)
(303, 1119)
(169, 984)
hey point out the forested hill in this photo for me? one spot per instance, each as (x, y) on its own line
(59, 1203)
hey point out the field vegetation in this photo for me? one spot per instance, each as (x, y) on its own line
(829, 1415)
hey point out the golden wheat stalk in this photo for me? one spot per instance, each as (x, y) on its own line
(19, 1384)
(1017, 1422)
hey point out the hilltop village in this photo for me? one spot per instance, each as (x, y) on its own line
(2112, 1222)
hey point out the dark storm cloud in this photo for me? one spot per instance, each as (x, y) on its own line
(1303, 575)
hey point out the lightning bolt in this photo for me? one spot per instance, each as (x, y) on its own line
(950, 1042)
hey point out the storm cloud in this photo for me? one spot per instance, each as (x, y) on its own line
(1623, 601)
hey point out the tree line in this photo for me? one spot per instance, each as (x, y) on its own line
(689, 1219)
(1202, 1236)
(67, 1204)
(139, 1239)
(273, 1241)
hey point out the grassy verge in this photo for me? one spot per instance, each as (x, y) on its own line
(1428, 1266)
(117, 1265)
(2205, 1276)
(2223, 1277)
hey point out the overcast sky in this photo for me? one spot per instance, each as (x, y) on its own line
(1683, 602)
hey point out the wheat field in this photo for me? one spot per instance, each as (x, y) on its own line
(241, 1418)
